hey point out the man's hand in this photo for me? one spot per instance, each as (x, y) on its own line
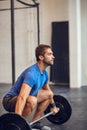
(55, 110)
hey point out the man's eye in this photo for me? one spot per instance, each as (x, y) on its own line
(49, 53)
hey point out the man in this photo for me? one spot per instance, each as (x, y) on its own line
(31, 90)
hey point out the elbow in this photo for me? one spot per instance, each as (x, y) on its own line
(21, 98)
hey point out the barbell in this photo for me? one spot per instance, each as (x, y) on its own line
(12, 121)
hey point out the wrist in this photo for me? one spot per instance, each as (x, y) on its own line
(53, 104)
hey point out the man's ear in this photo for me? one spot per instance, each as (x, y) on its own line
(41, 57)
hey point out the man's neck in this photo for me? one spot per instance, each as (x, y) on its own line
(41, 66)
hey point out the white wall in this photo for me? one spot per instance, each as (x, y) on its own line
(84, 40)
(51, 10)
(26, 35)
(5, 47)
(75, 43)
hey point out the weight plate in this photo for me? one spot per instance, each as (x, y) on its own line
(64, 113)
(11, 121)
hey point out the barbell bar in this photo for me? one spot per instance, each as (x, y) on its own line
(12, 121)
(48, 114)
(9, 121)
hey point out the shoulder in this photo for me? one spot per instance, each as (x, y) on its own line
(32, 70)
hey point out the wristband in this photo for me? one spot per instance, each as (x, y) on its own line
(53, 104)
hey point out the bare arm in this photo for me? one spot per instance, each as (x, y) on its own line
(47, 87)
(22, 97)
(54, 108)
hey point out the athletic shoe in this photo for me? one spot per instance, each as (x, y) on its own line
(40, 126)
(34, 129)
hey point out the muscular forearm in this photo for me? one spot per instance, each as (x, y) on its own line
(47, 87)
(22, 98)
(20, 105)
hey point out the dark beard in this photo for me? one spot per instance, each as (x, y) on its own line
(47, 63)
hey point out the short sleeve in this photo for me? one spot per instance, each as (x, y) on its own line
(29, 79)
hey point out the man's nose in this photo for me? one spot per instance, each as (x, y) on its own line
(53, 57)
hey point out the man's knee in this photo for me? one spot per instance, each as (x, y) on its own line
(50, 93)
(31, 101)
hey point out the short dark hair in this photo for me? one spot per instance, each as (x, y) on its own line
(40, 50)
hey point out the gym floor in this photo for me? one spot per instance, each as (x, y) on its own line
(76, 97)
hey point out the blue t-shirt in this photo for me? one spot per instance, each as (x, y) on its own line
(31, 76)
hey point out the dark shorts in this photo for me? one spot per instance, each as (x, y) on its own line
(9, 103)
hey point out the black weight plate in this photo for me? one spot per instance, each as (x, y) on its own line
(64, 113)
(12, 121)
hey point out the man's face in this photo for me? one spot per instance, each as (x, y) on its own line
(48, 57)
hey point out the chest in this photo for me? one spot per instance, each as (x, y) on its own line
(41, 80)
